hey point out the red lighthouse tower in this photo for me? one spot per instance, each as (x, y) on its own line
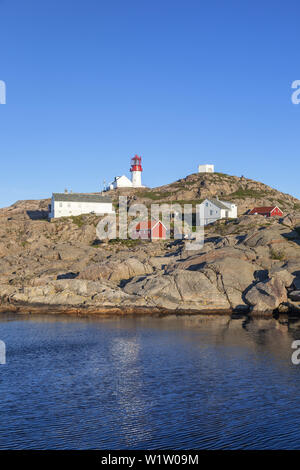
(136, 169)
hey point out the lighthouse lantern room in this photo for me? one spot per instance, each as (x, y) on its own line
(136, 170)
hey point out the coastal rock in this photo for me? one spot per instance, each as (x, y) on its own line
(200, 260)
(265, 297)
(265, 236)
(180, 290)
(230, 270)
(283, 275)
(233, 278)
(116, 271)
(290, 220)
(295, 295)
(71, 293)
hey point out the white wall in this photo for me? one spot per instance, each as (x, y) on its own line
(206, 168)
(122, 182)
(232, 208)
(67, 208)
(136, 179)
(209, 213)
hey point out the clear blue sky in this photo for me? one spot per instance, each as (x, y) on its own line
(90, 83)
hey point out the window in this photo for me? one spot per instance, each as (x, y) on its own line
(211, 212)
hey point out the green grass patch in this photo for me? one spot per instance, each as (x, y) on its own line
(193, 202)
(243, 193)
(77, 220)
(125, 242)
(278, 255)
(155, 196)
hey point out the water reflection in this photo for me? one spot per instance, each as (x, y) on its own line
(171, 382)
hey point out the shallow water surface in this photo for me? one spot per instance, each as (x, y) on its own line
(148, 383)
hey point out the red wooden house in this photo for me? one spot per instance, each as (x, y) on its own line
(151, 230)
(269, 211)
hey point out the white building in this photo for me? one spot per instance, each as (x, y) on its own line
(66, 204)
(120, 182)
(214, 209)
(206, 168)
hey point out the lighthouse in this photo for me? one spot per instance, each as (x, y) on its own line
(136, 170)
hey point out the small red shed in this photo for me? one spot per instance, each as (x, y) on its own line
(152, 229)
(269, 211)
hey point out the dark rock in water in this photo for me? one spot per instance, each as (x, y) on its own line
(296, 283)
(295, 295)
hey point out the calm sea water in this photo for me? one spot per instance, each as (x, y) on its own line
(148, 383)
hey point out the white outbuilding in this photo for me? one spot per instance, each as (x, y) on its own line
(206, 168)
(120, 182)
(67, 204)
(214, 209)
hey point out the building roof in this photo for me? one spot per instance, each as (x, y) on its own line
(220, 204)
(147, 225)
(80, 197)
(263, 210)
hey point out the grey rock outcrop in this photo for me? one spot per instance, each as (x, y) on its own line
(265, 297)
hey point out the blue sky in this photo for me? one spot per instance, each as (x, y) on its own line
(90, 83)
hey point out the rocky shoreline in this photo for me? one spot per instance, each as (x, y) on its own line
(247, 266)
(31, 309)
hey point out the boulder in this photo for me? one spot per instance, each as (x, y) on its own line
(282, 274)
(265, 297)
(265, 236)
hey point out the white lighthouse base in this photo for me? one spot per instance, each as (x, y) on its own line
(137, 179)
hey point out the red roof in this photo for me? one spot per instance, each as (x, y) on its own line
(147, 225)
(263, 210)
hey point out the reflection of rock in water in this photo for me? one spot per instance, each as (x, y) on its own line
(256, 334)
